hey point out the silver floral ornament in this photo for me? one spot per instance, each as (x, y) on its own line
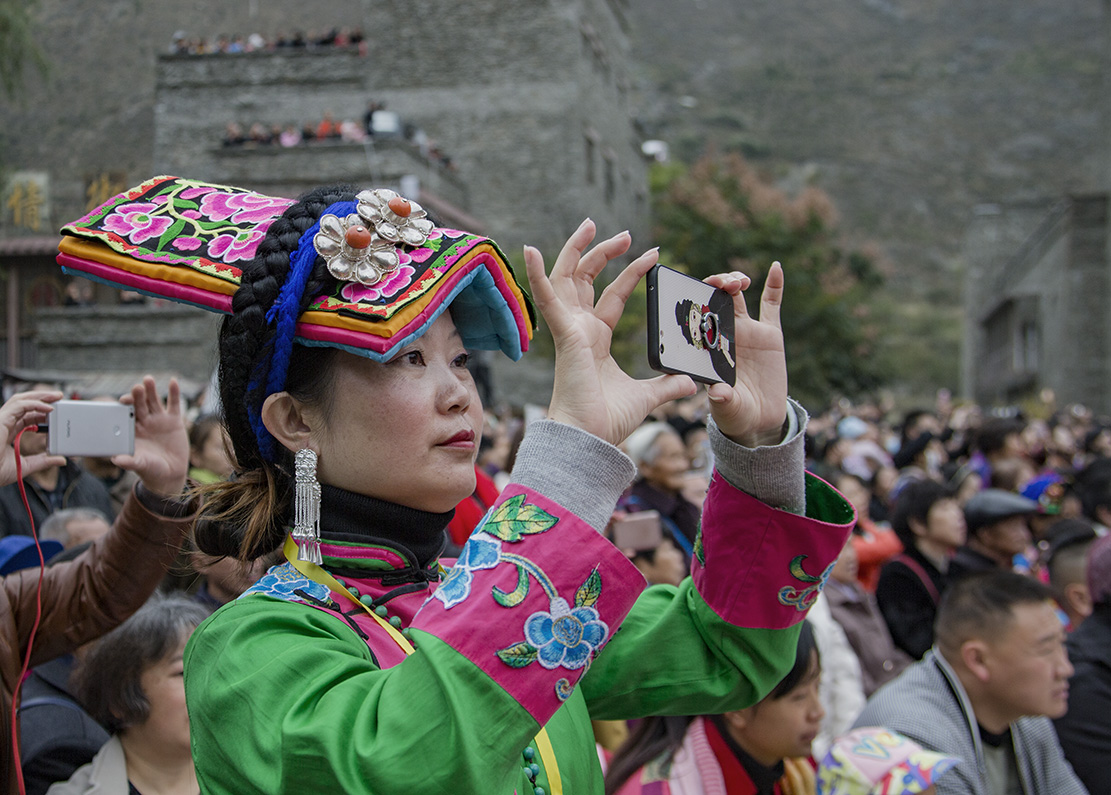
(352, 252)
(394, 217)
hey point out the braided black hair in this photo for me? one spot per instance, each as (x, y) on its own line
(246, 517)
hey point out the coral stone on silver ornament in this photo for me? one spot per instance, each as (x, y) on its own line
(394, 217)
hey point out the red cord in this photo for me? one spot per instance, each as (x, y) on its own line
(38, 612)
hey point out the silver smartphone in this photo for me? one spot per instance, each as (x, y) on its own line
(690, 327)
(91, 428)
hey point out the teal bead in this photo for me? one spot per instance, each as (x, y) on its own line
(395, 622)
(353, 591)
(530, 753)
(538, 791)
(367, 600)
(529, 773)
(380, 611)
(405, 633)
(535, 768)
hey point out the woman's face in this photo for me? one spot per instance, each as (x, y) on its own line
(167, 723)
(778, 728)
(406, 431)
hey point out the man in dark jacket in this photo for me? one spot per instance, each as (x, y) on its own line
(1085, 731)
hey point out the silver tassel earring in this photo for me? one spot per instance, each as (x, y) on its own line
(306, 507)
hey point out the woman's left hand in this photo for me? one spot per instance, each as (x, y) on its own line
(753, 412)
(591, 391)
(161, 456)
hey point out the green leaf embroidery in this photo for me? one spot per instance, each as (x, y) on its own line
(171, 233)
(515, 518)
(518, 655)
(517, 595)
(699, 551)
(589, 591)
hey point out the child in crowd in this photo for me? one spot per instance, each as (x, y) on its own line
(761, 750)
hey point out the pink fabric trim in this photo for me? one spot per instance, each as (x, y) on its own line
(171, 290)
(534, 686)
(747, 572)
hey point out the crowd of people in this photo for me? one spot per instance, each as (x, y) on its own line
(335, 583)
(184, 44)
(376, 122)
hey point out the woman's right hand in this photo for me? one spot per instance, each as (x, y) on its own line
(591, 390)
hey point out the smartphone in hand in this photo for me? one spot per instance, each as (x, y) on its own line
(91, 428)
(690, 328)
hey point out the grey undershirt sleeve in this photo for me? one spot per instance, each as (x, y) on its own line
(587, 475)
(773, 474)
(573, 468)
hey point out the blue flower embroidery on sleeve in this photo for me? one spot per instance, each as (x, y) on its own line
(283, 580)
(482, 551)
(566, 636)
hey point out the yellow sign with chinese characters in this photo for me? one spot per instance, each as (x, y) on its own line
(26, 204)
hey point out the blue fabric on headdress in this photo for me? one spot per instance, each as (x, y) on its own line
(286, 310)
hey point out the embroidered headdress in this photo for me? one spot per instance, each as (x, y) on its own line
(878, 761)
(379, 271)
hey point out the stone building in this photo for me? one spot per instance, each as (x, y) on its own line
(513, 118)
(1036, 296)
(1037, 288)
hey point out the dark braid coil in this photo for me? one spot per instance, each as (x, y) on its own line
(247, 516)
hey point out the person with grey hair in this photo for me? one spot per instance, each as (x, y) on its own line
(131, 682)
(72, 527)
(662, 470)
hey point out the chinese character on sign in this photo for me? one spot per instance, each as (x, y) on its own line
(101, 187)
(25, 203)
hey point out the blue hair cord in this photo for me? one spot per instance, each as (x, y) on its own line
(286, 310)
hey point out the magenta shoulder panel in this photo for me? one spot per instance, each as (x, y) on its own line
(544, 613)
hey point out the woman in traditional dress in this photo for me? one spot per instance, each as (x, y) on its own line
(360, 664)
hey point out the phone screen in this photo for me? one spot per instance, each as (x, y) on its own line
(690, 327)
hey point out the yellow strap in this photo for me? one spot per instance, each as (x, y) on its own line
(547, 756)
(319, 575)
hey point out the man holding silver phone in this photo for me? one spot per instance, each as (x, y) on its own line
(86, 597)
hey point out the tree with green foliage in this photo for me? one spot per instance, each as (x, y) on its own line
(720, 215)
(18, 47)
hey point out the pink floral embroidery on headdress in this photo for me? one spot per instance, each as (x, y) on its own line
(386, 288)
(230, 248)
(242, 208)
(135, 222)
